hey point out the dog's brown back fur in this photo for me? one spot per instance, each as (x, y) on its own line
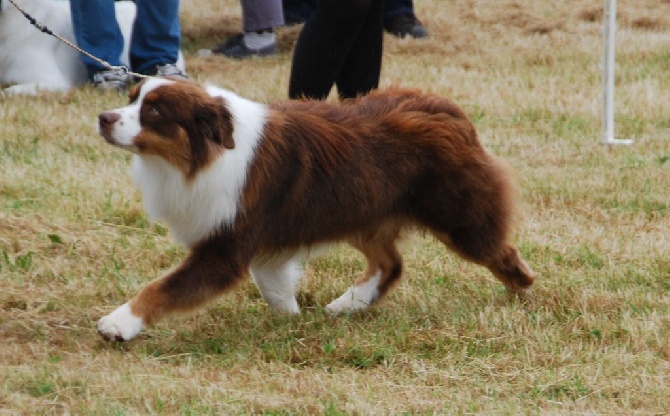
(365, 169)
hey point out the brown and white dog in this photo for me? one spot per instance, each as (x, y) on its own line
(252, 187)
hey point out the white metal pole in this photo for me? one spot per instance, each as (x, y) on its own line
(608, 75)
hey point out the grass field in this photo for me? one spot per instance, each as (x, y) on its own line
(594, 338)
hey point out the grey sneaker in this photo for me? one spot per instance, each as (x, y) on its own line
(169, 70)
(234, 47)
(111, 79)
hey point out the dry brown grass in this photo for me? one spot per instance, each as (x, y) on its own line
(594, 338)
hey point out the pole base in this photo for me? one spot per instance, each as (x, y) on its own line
(625, 142)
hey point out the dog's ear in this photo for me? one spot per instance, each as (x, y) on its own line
(214, 122)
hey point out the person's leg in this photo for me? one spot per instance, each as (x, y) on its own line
(298, 11)
(400, 20)
(156, 35)
(258, 15)
(97, 32)
(394, 8)
(259, 18)
(362, 68)
(324, 44)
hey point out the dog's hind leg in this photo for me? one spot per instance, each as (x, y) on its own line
(277, 280)
(383, 270)
(479, 222)
(481, 246)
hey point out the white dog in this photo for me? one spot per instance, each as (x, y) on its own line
(31, 61)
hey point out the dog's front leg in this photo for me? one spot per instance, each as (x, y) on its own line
(209, 270)
(277, 280)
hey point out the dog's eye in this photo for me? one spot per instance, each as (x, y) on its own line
(153, 111)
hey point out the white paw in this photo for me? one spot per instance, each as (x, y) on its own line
(356, 298)
(348, 302)
(21, 89)
(288, 306)
(278, 281)
(120, 325)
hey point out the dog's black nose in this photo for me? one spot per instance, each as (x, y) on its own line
(108, 118)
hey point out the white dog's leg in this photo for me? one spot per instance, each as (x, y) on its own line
(54, 83)
(29, 88)
(357, 297)
(278, 282)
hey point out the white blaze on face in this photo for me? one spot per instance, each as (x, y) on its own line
(128, 126)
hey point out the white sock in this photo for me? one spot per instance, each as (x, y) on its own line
(255, 40)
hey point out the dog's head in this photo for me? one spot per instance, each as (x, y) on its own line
(175, 120)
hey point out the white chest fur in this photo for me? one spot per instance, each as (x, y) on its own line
(195, 209)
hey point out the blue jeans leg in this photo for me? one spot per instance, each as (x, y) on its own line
(156, 34)
(97, 32)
